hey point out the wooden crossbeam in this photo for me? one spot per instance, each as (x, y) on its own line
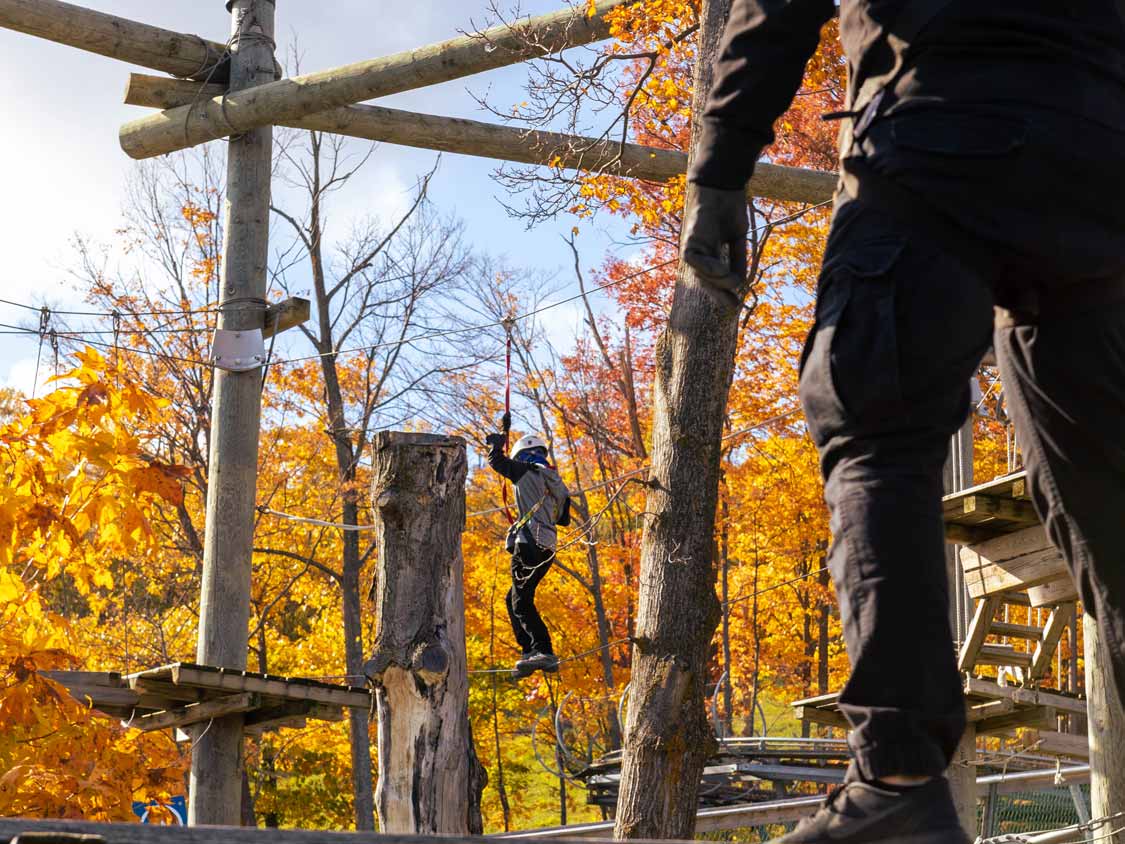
(290, 99)
(1050, 594)
(991, 709)
(1029, 697)
(1006, 509)
(287, 314)
(501, 143)
(112, 36)
(1050, 743)
(824, 717)
(1014, 561)
(197, 713)
(1034, 716)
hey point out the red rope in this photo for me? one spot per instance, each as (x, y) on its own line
(507, 421)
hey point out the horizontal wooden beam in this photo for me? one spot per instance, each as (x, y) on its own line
(1050, 743)
(1028, 697)
(285, 315)
(197, 713)
(112, 36)
(1035, 716)
(501, 143)
(1014, 561)
(290, 99)
(824, 717)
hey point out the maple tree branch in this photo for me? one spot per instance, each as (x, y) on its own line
(301, 558)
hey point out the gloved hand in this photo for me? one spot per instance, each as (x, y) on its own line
(506, 422)
(715, 218)
(495, 440)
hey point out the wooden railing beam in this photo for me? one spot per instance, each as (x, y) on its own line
(502, 143)
(300, 96)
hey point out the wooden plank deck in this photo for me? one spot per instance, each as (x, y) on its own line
(988, 510)
(181, 694)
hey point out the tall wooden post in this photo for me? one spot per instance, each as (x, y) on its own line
(430, 781)
(1107, 734)
(668, 737)
(962, 773)
(224, 612)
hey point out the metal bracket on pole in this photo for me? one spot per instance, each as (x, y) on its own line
(238, 351)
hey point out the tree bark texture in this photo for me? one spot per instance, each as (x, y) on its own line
(430, 781)
(668, 736)
(1107, 734)
(224, 608)
(500, 143)
(289, 99)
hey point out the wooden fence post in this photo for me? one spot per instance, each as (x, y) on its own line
(430, 781)
(1107, 734)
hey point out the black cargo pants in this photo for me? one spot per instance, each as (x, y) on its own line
(1016, 209)
(530, 565)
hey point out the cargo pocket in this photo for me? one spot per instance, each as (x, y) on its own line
(958, 134)
(850, 363)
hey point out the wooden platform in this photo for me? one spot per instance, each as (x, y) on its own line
(989, 510)
(992, 708)
(182, 694)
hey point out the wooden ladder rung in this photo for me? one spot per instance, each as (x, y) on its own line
(1016, 631)
(1003, 655)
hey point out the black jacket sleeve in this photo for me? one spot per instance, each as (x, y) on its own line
(503, 465)
(762, 59)
(564, 515)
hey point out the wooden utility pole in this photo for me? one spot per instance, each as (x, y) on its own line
(668, 735)
(224, 612)
(1107, 734)
(430, 781)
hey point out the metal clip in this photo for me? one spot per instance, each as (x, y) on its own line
(238, 351)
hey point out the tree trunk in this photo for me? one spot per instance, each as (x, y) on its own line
(668, 737)
(430, 781)
(1107, 734)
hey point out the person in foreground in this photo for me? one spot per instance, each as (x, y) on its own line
(542, 501)
(982, 165)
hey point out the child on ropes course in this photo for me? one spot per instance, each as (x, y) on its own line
(542, 502)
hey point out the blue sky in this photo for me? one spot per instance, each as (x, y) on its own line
(66, 173)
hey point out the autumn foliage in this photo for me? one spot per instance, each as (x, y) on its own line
(105, 478)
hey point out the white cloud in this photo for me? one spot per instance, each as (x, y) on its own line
(21, 376)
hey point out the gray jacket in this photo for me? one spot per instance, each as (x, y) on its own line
(542, 501)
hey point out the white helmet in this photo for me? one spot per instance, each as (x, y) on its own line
(527, 443)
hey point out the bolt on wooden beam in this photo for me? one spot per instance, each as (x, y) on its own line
(501, 143)
(112, 36)
(290, 99)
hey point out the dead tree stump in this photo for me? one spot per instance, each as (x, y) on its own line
(430, 781)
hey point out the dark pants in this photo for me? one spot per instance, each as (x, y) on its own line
(530, 564)
(1016, 209)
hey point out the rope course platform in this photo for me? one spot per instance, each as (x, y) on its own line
(181, 694)
(743, 771)
(1008, 562)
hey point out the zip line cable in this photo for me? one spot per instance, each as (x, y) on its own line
(601, 485)
(435, 335)
(184, 313)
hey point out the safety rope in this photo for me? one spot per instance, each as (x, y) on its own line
(507, 420)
